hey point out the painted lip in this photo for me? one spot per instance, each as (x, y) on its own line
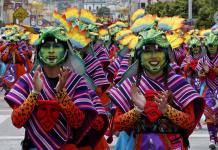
(51, 57)
(154, 62)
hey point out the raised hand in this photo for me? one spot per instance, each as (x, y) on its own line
(206, 68)
(37, 80)
(63, 76)
(162, 101)
(137, 97)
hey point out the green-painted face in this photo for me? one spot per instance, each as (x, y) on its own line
(196, 50)
(52, 53)
(153, 60)
(212, 49)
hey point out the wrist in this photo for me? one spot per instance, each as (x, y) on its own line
(166, 110)
(138, 110)
(34, 91)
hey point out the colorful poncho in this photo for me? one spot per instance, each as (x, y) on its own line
(183, 94)
(59, 135)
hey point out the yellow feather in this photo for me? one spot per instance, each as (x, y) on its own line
(88, 15)
(186, 37)
(137, 13)
(72, 12)
(122, 33)
(132, 44)
(119, 24)
(33, 38)
(79, 36)
(203, 32)
(175, 40)
(127, 39)
(103, 32)
(173, 22)
(145, 21)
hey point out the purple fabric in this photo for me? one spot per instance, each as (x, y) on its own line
(58, 136)
(151, 141)
(95, 70)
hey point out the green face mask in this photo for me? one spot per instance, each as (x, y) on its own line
(212, 49)
(153, 61)
(52, 53)
(196, 50)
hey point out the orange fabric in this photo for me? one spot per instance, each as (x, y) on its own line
(69, 147)
(2, 47)
(22, 113)
(85, 148)
(29, 65)
(20, 70)
(125, 121)
(98, 123)
(185, 118)
(74, 115)
(101, 145)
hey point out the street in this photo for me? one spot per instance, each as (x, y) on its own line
(10, 136)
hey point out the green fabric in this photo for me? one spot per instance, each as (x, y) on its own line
(211, 39)
(194, 41)
(153, 36)
(56, 32)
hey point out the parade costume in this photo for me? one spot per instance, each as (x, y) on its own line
(207, 68)
(72, 108)
(149, 128)
(90, 67)
(190, 63)
(16, 53)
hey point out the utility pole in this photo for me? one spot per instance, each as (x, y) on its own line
(190, 9)
(130, 1)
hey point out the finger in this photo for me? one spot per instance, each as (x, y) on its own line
(38, 68)
(35, 75)
(41, 75)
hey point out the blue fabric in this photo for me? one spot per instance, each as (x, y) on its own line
(125, 141)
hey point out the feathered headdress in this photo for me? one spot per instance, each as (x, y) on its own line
(144, 23)
(87, 17)
(175, 40)
(72, 14)
(78, 38)
(137, 14)
(170, 23)
(61, 20)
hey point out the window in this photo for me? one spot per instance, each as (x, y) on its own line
(142, 5)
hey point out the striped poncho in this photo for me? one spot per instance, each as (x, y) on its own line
(183, 94)
(95, 70)
(59, 135)
(102, 54)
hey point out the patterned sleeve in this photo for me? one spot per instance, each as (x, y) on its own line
(185, 119)
(125, 121)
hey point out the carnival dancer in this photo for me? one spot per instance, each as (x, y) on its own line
(86, 64)
(156, 107)
(52, 103)
(190, 62)
(189, 65)
(207, 68)
(16, 53)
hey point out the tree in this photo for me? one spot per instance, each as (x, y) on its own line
(203, 10)
(103, 11)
